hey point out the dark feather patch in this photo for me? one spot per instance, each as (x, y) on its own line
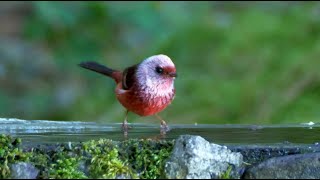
(128, 78)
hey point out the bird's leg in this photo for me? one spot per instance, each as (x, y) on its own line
(125, 125)
(163, 125)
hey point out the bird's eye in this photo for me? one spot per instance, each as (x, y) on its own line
(159, 70)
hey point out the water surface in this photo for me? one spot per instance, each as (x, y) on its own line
(40, 131)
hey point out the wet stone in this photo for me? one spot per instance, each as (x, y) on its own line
(195, 158)
(255, 154)
(300, 166)
(23, 171)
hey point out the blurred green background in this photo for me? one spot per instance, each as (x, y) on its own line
(238, 62)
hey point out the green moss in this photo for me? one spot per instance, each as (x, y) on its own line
(109, 166)
(41, 161)
(105, 160)
(101, 158)
(57, 162)
(227, 173)
(147, 157)
(10, 153)
(66, 169)
(129, 158)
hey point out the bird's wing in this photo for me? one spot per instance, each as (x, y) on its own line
(129, 77)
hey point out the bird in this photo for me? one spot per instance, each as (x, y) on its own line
(145, 89)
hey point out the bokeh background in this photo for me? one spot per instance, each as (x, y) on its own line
(238, 62)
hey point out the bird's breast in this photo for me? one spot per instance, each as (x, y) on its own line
(144, 102)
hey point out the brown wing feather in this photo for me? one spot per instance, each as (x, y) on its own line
(128, 78)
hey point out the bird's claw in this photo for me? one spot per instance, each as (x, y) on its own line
(125, 128)
(164, 128)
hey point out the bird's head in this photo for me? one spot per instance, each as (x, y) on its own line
(157, 72)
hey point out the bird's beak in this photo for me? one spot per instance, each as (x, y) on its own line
(173, 74)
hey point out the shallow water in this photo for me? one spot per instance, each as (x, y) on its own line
(39, 131)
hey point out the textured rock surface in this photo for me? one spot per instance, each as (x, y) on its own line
(255, 154)
(23, 171)
(301, 166)
(193, 157)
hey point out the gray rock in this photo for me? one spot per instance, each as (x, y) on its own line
(123, 176)
(300, 166)
(83, 167)
(23, 171)
(195, 158)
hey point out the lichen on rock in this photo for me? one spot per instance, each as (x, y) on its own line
(195, 158)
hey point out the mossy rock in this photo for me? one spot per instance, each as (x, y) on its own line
(103, 158)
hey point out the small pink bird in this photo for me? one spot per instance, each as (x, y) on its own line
(145, 88)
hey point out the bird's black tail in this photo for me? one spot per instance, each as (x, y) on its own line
(93, 66)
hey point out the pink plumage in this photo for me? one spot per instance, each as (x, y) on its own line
(146, 88)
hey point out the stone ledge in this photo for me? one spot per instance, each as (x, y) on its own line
(186, 157)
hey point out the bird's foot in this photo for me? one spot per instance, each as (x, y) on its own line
(163, 125)
(164, 128)
(125, 128)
